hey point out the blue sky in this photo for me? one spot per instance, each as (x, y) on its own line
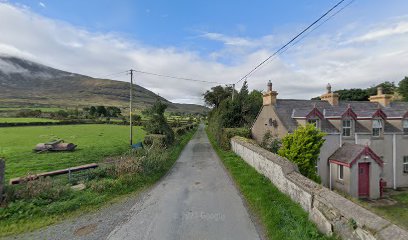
(180, 23)
(212, 40)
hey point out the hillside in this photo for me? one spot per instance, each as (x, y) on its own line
(26, 84)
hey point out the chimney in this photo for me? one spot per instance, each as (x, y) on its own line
(381, 98)
(331, 97)
(269, 98)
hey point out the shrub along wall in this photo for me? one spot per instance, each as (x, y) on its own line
(330, 211)
(228, 133)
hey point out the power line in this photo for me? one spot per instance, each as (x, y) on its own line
(113, 74)
(175, 77)
(292, 40)
(316, 27)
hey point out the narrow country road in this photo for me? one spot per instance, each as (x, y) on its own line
(195, 201)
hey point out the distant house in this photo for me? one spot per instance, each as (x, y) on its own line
(366, 142)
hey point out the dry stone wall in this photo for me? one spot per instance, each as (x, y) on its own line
(331, 212)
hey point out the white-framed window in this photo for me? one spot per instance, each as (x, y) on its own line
(314, 121)
(405, 164)
(341, 172)
(405, 126)
(377, 127)
(347, 124)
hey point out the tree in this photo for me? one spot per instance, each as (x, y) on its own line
(92, 111)
(101, 111)
(217, 94)
(240, 112)
(113, 111)
(157, 123)
(388, 88)
(302, 147)
(358, 94)
(354, 94)
(403, 88)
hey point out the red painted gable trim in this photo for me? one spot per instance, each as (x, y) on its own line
(315, 112)
(350, 113)
(368, 152)
(340, 163)
(380, 113)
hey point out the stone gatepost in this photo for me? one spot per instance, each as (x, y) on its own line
(2, 177)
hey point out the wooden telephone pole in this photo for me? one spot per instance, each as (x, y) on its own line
(130, 106)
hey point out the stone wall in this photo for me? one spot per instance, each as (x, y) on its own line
(331, 212)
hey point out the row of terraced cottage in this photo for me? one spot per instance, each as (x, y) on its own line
(366, 147)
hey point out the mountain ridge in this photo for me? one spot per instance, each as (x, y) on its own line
(24, 83)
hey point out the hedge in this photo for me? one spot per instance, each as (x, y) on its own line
(155, 139)
(228, 133)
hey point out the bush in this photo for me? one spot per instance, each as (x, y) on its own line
(157, 139)
(303, 148)
(158, 123)
(271, 143)
(42, 188)
(228, 133)
(180, 131)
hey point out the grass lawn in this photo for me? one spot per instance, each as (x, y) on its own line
(25, 120)
(95, 142)
(27, 215)
(281, 217)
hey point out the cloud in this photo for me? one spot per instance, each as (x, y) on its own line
(398, 28)
(42, 5)
(301, 72)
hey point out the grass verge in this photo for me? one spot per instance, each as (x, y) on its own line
(280, 216)
(29, 214)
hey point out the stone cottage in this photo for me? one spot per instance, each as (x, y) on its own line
(366, 142)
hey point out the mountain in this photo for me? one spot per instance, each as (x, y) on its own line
(26, 84)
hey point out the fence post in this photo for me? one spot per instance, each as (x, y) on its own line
(2, 177)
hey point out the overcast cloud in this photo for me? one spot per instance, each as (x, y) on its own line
(347, 58)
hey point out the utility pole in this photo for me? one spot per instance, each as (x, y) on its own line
(130, 106)
(233, 91)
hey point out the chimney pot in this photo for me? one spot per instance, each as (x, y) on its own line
(329, 88)
(379, 90)
(331, 97)
(269, 98)
(270, 86)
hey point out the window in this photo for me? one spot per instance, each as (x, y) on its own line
(405, 164)
(341, 172)
(347, 128)
(315, 122)
(405, 126)
(377, 127)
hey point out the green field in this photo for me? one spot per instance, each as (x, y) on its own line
(25, 120)
(43, 109)
(95, 142)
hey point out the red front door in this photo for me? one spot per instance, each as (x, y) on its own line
(363, 180)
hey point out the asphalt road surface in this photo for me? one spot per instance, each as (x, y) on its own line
(196, 200)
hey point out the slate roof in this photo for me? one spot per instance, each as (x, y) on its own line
(349, 153)
(289, 109)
